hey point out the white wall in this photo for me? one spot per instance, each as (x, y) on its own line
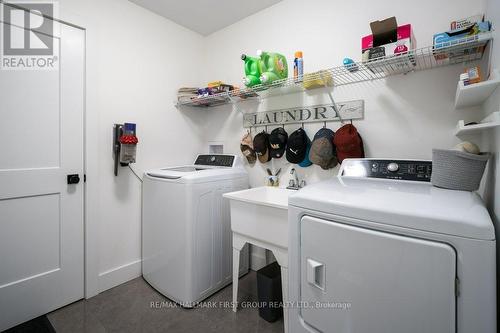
(136, 61)
(405, 116)
(493, 104)
(492, 139)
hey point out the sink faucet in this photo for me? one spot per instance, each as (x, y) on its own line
(294, 183)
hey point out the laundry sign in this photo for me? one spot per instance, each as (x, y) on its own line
(306, 114)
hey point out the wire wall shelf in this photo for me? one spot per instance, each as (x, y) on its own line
(458, 51)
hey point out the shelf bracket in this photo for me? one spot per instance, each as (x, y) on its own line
(334, 105)
(235, 103)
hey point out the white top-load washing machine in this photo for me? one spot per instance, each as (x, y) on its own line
(380, 250)
(186, 228)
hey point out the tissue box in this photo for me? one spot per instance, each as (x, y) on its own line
(387, 39)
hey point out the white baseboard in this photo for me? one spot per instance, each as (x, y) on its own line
(119, 275)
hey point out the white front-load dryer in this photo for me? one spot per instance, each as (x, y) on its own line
(380, 250)
(186, 228)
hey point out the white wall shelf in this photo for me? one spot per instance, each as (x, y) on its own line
(462, 50)
(490, 122)
(475, 94)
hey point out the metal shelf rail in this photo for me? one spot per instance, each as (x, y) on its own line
(458, 51)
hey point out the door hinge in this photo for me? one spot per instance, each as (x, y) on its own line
(84, 178)
(457, 287)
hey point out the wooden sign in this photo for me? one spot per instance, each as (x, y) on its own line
(306, 114)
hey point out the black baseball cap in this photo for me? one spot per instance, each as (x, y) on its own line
(296, 149)
(277, 141)
(261, 147)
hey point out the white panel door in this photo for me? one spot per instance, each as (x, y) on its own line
(359, 280)
(41, 216)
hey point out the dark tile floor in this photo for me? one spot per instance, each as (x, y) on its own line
(127, 308)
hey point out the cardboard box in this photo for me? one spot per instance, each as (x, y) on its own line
(443, 39)
(388, 39)
(448, 38)
(466, 22)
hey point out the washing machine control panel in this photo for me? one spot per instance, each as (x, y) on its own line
(215, 160)
(411, 170)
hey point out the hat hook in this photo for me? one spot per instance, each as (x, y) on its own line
(324, 124)
(283, 125)
(302, 125)
(266, 128)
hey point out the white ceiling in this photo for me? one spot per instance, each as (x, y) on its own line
(205, 16)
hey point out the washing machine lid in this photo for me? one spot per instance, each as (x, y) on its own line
(205, 168)
(195, 174)
(409, 204)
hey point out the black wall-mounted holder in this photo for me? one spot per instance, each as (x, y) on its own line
(117, 133)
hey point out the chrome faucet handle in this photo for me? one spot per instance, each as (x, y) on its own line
(293, 184)
(296, 181)
(302, 183)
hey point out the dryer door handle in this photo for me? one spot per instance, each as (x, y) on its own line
(316, 273)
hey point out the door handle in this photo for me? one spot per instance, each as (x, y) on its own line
(316, 274)
(73, 179)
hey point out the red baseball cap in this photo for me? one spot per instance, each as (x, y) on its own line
(348, 143)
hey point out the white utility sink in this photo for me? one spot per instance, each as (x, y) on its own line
(261, 213)
(266, 195)
(259, 216)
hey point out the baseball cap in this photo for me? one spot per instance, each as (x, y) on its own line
(306, 161)
(296, 150)
(322, 149)
(261, 147)
(246, 146)
(348, 143)
(277, 141)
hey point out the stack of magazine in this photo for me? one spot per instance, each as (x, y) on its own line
(210, 96)
(186, 95)
(192, 97)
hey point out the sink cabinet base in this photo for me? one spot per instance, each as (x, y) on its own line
(281, 255)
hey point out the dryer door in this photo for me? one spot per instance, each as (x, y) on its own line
(360, 280)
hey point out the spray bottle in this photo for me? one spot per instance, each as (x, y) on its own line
(298, 67)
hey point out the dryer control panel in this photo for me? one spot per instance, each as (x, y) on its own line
(411, 170)
(215, 160)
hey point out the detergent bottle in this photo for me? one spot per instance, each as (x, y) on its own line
(253, 70)
(274, 67)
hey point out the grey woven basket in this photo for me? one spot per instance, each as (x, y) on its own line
(457, 170)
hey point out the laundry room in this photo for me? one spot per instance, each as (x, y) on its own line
(260, 166)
